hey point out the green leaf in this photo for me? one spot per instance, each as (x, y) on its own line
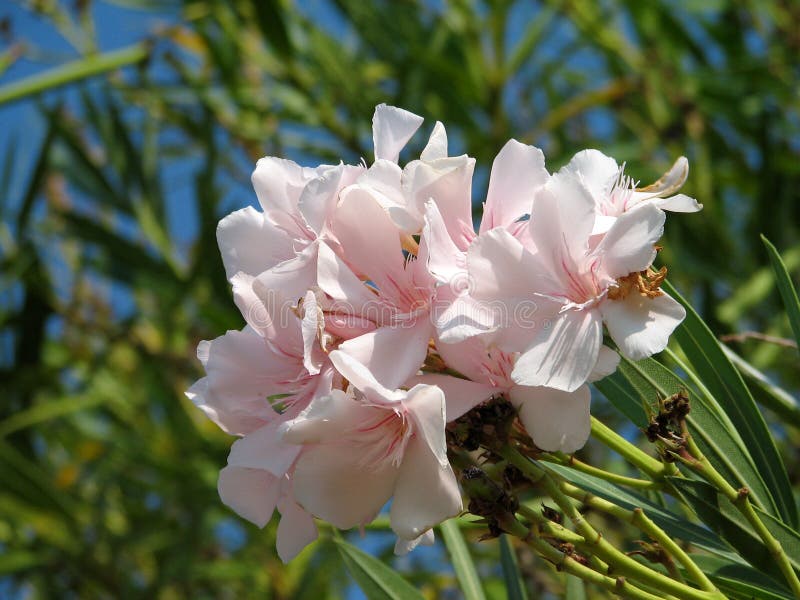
(621, 393)
(462, 561)
(725, 383)
(376, 580)
(71, 72)
(775, 398)
(574, 588)
(722, 517)
(269, 16)
(45, 411)
(515, 586)
(785, 287)
(675, 525)
(19, 560)
(740, 581)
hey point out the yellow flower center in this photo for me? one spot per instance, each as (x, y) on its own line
(646, 283)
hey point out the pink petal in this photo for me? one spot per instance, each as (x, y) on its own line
(250, 243)
(251, 493)
(461, 395)
(426, 407)
(556, 421)
(318, 199)
(264, 449)
(331, 483)
(426, 492)
(278, 183)
(337, 280)
(517, 171)
(326, 419)
(296, 529)
(360, 376)
(499, 267)
(446, 261)
(291, 278)
(370, 241)
(251, 306)
(641, 326)
(448, 182)
(392, 354)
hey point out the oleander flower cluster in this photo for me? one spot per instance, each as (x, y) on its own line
(376, 313)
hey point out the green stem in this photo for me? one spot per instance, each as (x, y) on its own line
(566, 563)
(646, 463)
(621, 562)
(571, 461)
(741, 500)
(548, 528)
(73, 71)
(641, 521)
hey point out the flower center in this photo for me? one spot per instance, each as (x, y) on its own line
(646, 283)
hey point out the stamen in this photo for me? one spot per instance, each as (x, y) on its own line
(646, 283)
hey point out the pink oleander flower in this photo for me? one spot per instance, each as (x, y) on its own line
(615, 193)
(578, 283)
(353, 278)
(369, 444)
(557, 421)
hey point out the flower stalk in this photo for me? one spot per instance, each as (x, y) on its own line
(652, 467)
(621, 562)
(694, 458)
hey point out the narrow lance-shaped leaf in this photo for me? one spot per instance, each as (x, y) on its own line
(377, 580)
(722, 379)
(512, 577)
(785, 287)
(462, 561)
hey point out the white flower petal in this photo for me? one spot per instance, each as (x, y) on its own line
(556, 421)
(403, 547)
(678, 203)
(629, 246)
(597, 170)
(641, 326)
(361, 377)
(318, 199)
(392, 127)
(446, 262)
(437, 144)
(562, 355)
(607, 362)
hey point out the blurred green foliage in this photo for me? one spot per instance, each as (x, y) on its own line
(108, 473)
